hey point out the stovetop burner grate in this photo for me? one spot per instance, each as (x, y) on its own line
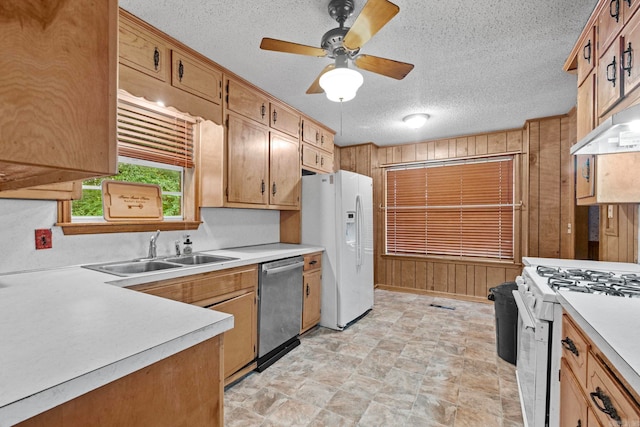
(592, 281)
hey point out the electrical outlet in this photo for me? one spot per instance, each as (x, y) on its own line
(43, 238)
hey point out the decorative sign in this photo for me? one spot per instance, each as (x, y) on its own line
(125, 201)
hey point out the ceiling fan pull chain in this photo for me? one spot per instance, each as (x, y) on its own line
(341, 117)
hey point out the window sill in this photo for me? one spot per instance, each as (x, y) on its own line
(453, 259)
(125, 227)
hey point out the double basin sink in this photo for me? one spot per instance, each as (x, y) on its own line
(145, 265)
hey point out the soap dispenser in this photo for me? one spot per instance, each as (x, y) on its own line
(187, 249)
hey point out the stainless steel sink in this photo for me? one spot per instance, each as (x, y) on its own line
(127, 268)
(195, 259)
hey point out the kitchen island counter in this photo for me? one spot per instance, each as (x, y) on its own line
(67, 331)
(612, 324)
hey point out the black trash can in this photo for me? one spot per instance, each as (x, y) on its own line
(506, 320)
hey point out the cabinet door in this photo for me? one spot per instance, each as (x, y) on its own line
(310, 157)
(611, 403)
(248, 161)
(610, 22)
(587, 57)
(630, 67)
(284, 170)
(574, 350)
(312, 288)
(284, 120)
(586, 113)
(629, 8)
(585, 176)
(240, 342)
(195, 77)
(609, 81)
(573, 404)
(310, 132)
(142, 52)
(326, 141)
(247, 102)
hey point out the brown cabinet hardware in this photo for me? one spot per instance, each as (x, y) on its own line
(180, 71)
(586, 52)
(611, 72)
(614, 12)
(606, 407)
(156, 58)
(627, 59)
(569, 345)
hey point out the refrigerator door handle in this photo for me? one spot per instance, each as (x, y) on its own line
(358, 232)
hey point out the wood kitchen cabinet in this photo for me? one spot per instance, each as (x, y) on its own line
(247, 102)
(157, 67)
(311, 291)
(317, 147)
(284, 119)
(58, 93)
(230, 291)
(605, 178)
(590, 392)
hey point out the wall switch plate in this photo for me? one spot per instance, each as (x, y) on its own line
(43, 238)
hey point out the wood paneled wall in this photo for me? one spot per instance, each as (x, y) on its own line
(544, 184)
(619, 233)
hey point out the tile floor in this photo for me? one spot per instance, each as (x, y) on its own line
(405, 364)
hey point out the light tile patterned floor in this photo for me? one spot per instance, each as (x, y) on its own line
(405, 364)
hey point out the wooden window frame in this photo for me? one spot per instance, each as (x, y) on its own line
(443, 201)
(191, 214)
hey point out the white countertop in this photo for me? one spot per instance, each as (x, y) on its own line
(613, 324)
(67, 331)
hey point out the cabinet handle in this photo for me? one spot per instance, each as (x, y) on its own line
(579, 423)
(263, 110)
(317, 137)
(606, 407)
(156, 58)
(628, 61)
(322, 140)
(314, 262)
(262, 187)
(275, 116)
(273, 188)
(570, 345)
(321, 161)
(628, 2)
(616, 13)
(586, 52)
(316, 159)
(586, 170)
(180, 70)
(612, 76)
(307, 289)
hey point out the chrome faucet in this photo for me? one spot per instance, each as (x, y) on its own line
(152, 245)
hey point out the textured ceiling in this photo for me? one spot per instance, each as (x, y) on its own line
(479, 65)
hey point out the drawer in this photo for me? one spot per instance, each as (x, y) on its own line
(611, 404)
(313, 261)
(209, 288)
(574, 349)
(172, 291)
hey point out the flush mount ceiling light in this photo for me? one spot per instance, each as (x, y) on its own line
(341, 84)
(415, 121)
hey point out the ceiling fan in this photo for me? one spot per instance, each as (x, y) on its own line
(343, 44)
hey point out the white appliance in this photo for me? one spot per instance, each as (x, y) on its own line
(540, 324)
(337, 213)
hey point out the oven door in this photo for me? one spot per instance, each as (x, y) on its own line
(532, 365)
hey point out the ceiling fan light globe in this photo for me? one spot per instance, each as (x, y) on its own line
(341, 84)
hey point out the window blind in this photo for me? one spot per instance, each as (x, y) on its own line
(154, 134)
(457, 209)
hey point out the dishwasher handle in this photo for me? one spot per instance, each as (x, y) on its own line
(287, 267)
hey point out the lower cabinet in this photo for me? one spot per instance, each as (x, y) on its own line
(600, 399)
(231, 291)
(239, 342)
(182, 390)
(311, 291)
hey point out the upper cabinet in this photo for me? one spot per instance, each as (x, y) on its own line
(608, 80)
(159, 68)
(317, 147)
(58, 93)
(243, 100)
(284, 119)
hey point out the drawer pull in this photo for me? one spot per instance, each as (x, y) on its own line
(568, 344)
(307, 289)
(586, 52)
(156, 58)
(314, 262)
(606, 407)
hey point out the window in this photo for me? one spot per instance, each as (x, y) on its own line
(462, 209)
(155, 146)
(168, 177)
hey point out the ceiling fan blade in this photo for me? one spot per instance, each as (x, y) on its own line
(315, 86)
(289, 47)
(374, 15)
(386, 67)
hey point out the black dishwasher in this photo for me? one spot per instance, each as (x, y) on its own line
(279, 309)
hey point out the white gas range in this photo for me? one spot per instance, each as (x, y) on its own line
(539, 323)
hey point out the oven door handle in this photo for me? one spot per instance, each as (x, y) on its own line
(523, 312)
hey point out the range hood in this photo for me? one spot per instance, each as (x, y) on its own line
(620, 133)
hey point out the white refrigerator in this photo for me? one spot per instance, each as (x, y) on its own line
(337, 213)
